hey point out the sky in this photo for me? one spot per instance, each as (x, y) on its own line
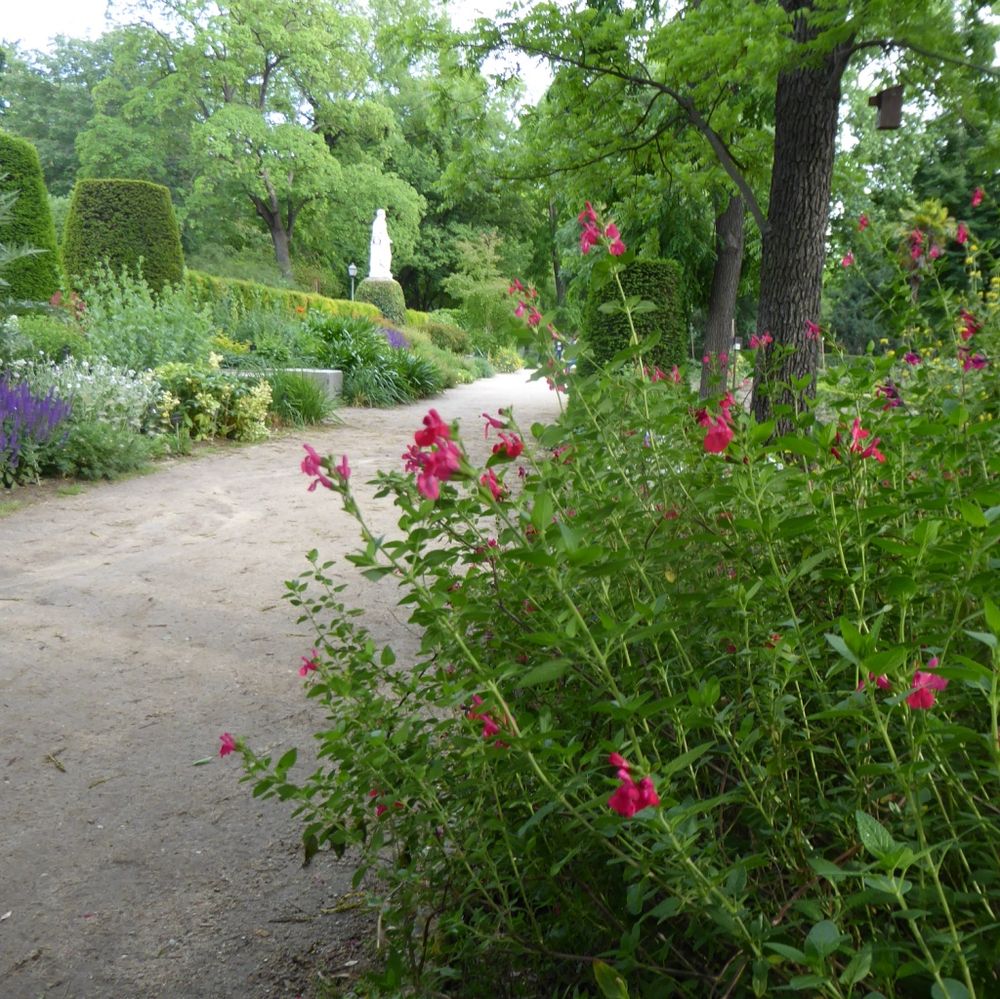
(34, 23)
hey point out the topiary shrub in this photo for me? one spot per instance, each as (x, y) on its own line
(123, 222)
(448, 337)
(657, 281)
(34, 277)
(387, 295)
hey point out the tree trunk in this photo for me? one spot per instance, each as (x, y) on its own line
(282, 253)
(557, 272)
(791, 273)
(722, 300)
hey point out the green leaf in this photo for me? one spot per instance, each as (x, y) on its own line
(949, 989)
(840, 646)
(972, 514)
(824, 938)
(611, 984)
(875, 837)
(792, 953)
(544, 673)
(858, 967)
(992, 616)
(761, 431)
(388, 657)
(287, 761)
(541, 512)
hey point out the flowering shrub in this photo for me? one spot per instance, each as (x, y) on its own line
(698, 710)
(28, 419)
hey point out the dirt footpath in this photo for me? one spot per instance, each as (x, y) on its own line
(138, 621)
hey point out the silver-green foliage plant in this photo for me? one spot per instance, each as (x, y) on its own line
(700, 708)
(133, 328)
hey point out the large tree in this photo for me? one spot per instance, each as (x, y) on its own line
(798, 50)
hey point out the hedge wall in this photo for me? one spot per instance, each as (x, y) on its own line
(656, 281)
(119, 222)
(238, 297)
(34, 278)
(387, 296)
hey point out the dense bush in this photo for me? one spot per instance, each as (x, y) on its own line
(34, 277)
(132, 327)
(232, 299)
(98, 451)
(127, 225)
(386, 296)
(658, 282)
(28, 336)
(716, 708)
(416, 318)
(505, 360)
(447, 336)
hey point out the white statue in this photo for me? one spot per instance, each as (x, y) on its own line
(380, 259)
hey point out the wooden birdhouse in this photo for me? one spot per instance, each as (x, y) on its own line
(890, 106)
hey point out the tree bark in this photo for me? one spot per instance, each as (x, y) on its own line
(806, 116)
(722, 299)
(280, 237)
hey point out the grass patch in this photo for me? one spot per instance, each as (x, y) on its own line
(7, 507)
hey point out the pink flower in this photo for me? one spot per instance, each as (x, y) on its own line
(718, 437)
(757, 342)
(924, 686)
(618, 761)
(706, 359)
(961, 234)
(971, 325)
(228, 744)
(311, 465)
(535, 317)
(617, 248)
(812, 330)
(492, 422)
(675, 375)
(723, 358)
(490, 727)
(343, 469)
(847, 259)
(911, 358)
(490, 481)
(863, 222)
(587, 215)
(309, 664)
(890, 393)
(977, 197)
(858, 446)
(630, 797)
(435, 430)
(970, 361)
(934, 252)
(515, 287)
(589, 236)
(510, 444)
(519, 311)
(881, 681)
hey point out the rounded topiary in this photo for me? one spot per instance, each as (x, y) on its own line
(448, 336)
(387, 296)
(34, 277)
(120, 222)
(657, 281)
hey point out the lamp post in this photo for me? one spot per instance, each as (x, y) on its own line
(353, 271)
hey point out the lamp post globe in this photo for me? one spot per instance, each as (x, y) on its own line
(352, 269)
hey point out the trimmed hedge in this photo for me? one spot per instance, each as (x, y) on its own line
(416, 318)
(447, 336)
(658, 281)
(387, 296)
(121, 222)
(240, 297)
(34, 278)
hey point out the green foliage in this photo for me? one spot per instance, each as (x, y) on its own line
(233, 298)
(200, 402)
(505, 360)
(34, 276)
(447, 336)
(125, 225)
(416, 318)
(298, 400)
(657, 282)
(716, 706)
(386, 296)
(24, 337)
(95, 450)
(134, 328)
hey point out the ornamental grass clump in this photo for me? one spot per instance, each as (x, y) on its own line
(701, 707)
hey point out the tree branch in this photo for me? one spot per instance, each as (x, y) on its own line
(900, 43)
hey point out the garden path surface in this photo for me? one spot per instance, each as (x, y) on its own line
(139, 620)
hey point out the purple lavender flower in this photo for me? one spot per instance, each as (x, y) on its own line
(26, 422)
(395, 338)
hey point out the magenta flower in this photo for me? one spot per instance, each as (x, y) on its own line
(491, 482)
(675, 375)
(510, 444)
(970, 361)
(881, 681)
(890, 393)
(812, 330)
(863, 222)
(311, 465)
(309, 664)
(590, 236)
(519, 311)
(343, 469)
(228, 744)
(763, 340)
(924, 686)
(435, 430)
(630, 797)
(858, 437)
(977, 197)
(493, 422)
(718, 437)
(961, 234)
(847, 259)
(934, 252)
(911, 358)
(490, 727)
(535, 317)
(706, 358)
(587, 215)
(970, 324)
(616, 248)
(515, 287)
